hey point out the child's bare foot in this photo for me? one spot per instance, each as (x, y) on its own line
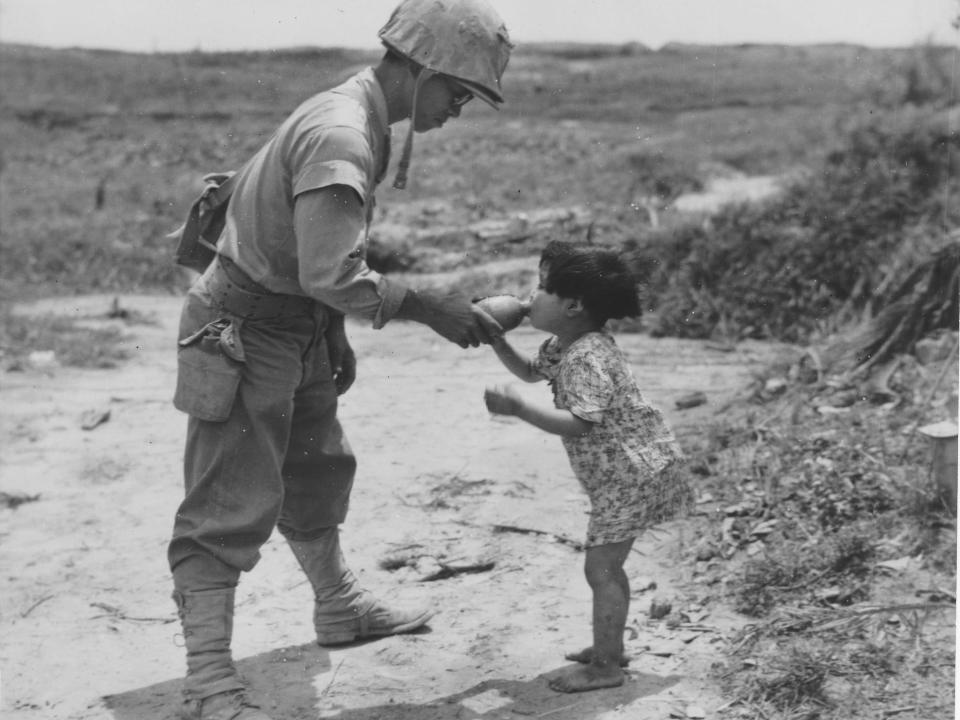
(586, 656)
(588, 677)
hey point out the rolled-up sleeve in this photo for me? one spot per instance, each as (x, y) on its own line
(331, 172)
(331, 235)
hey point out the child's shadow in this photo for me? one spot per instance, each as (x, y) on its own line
(283, 683)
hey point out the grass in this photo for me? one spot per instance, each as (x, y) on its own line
(65, 341)
(831, 634)
(104, 150)
(862, 666)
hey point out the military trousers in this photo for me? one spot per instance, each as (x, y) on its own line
(264, 448)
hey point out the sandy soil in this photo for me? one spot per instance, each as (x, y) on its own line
(88, 627)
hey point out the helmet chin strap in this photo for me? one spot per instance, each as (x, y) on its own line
(400, 179)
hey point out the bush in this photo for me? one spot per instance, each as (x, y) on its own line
(784, 269)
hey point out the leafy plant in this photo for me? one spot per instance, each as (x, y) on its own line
(786, 268)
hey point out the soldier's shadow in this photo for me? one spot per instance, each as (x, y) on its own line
(283, 684)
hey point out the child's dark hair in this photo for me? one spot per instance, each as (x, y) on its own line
(598, 277)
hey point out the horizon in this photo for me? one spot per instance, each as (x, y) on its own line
(130, 26)
(519, 47)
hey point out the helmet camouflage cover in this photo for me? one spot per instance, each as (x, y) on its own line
(465, 39)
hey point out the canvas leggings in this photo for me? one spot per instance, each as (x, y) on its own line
(264, 447)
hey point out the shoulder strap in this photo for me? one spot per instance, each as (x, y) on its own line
(219, 187)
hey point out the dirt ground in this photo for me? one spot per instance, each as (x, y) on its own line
(88, 627)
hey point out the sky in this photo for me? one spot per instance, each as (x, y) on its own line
(179, 25)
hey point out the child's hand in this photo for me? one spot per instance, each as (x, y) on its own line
(503, 400)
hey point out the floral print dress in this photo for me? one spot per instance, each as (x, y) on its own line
(628, 463)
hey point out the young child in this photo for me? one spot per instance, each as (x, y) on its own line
(621, 450)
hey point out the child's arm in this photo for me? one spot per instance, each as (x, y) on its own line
(516, 363)
(506, 401)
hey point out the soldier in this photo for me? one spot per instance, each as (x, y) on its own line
(263, 354)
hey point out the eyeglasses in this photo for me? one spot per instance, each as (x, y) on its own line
(461, 96)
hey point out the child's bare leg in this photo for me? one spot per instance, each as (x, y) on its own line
(611, 601)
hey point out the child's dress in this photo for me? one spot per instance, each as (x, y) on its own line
(628, 462)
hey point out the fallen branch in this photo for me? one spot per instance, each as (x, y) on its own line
(841, 619)
(938, 591)
(117, 613)
(37, 604)
(908, 708)
(448, 571)
(802, 584)
(697, 627)
(575, 544)
(332, 679)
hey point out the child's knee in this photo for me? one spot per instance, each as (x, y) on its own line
(600, 571)
(604, 563)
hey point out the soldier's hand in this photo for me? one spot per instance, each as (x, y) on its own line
(452, 316)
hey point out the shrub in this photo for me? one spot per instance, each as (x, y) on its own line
(785, 268)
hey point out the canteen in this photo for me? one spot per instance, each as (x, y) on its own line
(508, 310)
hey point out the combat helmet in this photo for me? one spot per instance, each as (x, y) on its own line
(465, 39)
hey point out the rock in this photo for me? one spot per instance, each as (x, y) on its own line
(705, 551)
(659, 608)
(844, 398)
(427, 567)
(92, 418)
(775, 386)
(931, 350)
(690, 400)
(837, 688)
(830, 410)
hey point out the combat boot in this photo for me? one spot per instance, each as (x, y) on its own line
(231, 705)
(344, 612)
(212, 688)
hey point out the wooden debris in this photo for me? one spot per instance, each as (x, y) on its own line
(118, 614)
(665, 648)
(445, 570)
(563, 539)
(35, 605)
(431, 566)
(925, 300)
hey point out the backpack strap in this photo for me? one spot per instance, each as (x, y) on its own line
(196, 244)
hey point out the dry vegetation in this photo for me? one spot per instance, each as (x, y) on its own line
(819, 517)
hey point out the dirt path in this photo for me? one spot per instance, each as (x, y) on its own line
(88, 626)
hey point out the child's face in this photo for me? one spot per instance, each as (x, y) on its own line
(547, 311)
